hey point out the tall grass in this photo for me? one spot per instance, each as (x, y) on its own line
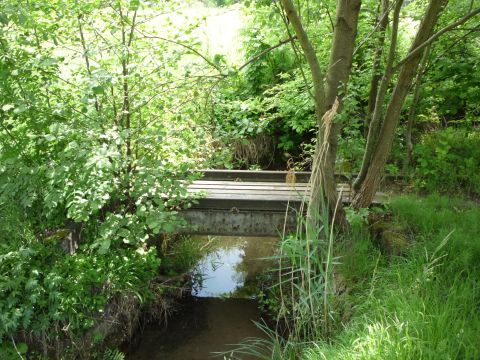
(305, 281)
(303, 291)
(423, 305)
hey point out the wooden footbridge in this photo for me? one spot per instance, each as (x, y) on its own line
(257, 203)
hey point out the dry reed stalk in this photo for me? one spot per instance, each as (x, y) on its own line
(316, 178)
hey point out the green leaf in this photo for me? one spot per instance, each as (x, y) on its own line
(123, 232)
(22, 19)
(98, 90)
(22, 348)
(104, 247)
(20, 109)
(134, 4)
(4, 19)
(48, 61)
(153, 223)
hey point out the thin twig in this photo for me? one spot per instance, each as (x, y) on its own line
(264, 52)
(188, 47)
(15, 346)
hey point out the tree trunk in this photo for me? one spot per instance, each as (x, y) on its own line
(323, 169)
(369, 185)
(377, 61)
(377, 116)
(340, 64)
(413, 110)
(310, 56)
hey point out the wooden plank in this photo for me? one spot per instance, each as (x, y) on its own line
(276, 175)
(257, 190)
(248, 187)
(263, 197)
(245, 183)
(265, 189)
(249, 183)
(231, 187)
(264, 175)
(258, 193)
(252, 185)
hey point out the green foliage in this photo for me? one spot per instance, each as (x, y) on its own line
(453, 84)
(113, 354)
(357, 218)
(105, 149)
(41, 286)
(183, 253)
(413, 307)
(97, 128)
(10, 351)
(448, 161)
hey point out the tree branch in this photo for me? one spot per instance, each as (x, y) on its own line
(196, 52)
(377, 26)
(85, 55)
(310, 56)
(435, 36)
(266, 51)
(450, 47)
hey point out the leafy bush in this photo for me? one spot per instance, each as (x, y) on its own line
(41, 286)
(448, 161)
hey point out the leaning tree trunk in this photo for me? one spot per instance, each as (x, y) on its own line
(377, 61)
(413, 110)
(370, 183)
(377, 116)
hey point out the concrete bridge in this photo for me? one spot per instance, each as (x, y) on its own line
(256, 203)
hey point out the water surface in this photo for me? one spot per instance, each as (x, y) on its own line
(222, 309)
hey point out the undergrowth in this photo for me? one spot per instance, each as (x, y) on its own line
(422, 305)
(448, 161)
(52, 300)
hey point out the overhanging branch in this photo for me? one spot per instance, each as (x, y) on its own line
(435, 36)
(266, 51)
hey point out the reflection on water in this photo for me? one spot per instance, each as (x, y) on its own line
(221, 311)
(233, 263)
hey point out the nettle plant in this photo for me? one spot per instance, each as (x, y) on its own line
(110, 140)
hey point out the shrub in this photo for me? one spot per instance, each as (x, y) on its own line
(45, 291)
(448, 161)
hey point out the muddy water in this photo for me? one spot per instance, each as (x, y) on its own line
(222, 308)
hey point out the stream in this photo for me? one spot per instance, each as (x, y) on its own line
(221, 311)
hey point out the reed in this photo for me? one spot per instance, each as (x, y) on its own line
(422, 305)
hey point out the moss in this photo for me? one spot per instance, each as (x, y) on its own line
(389, 237)
(393, 243)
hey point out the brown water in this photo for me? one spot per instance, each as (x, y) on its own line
(221, 311)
